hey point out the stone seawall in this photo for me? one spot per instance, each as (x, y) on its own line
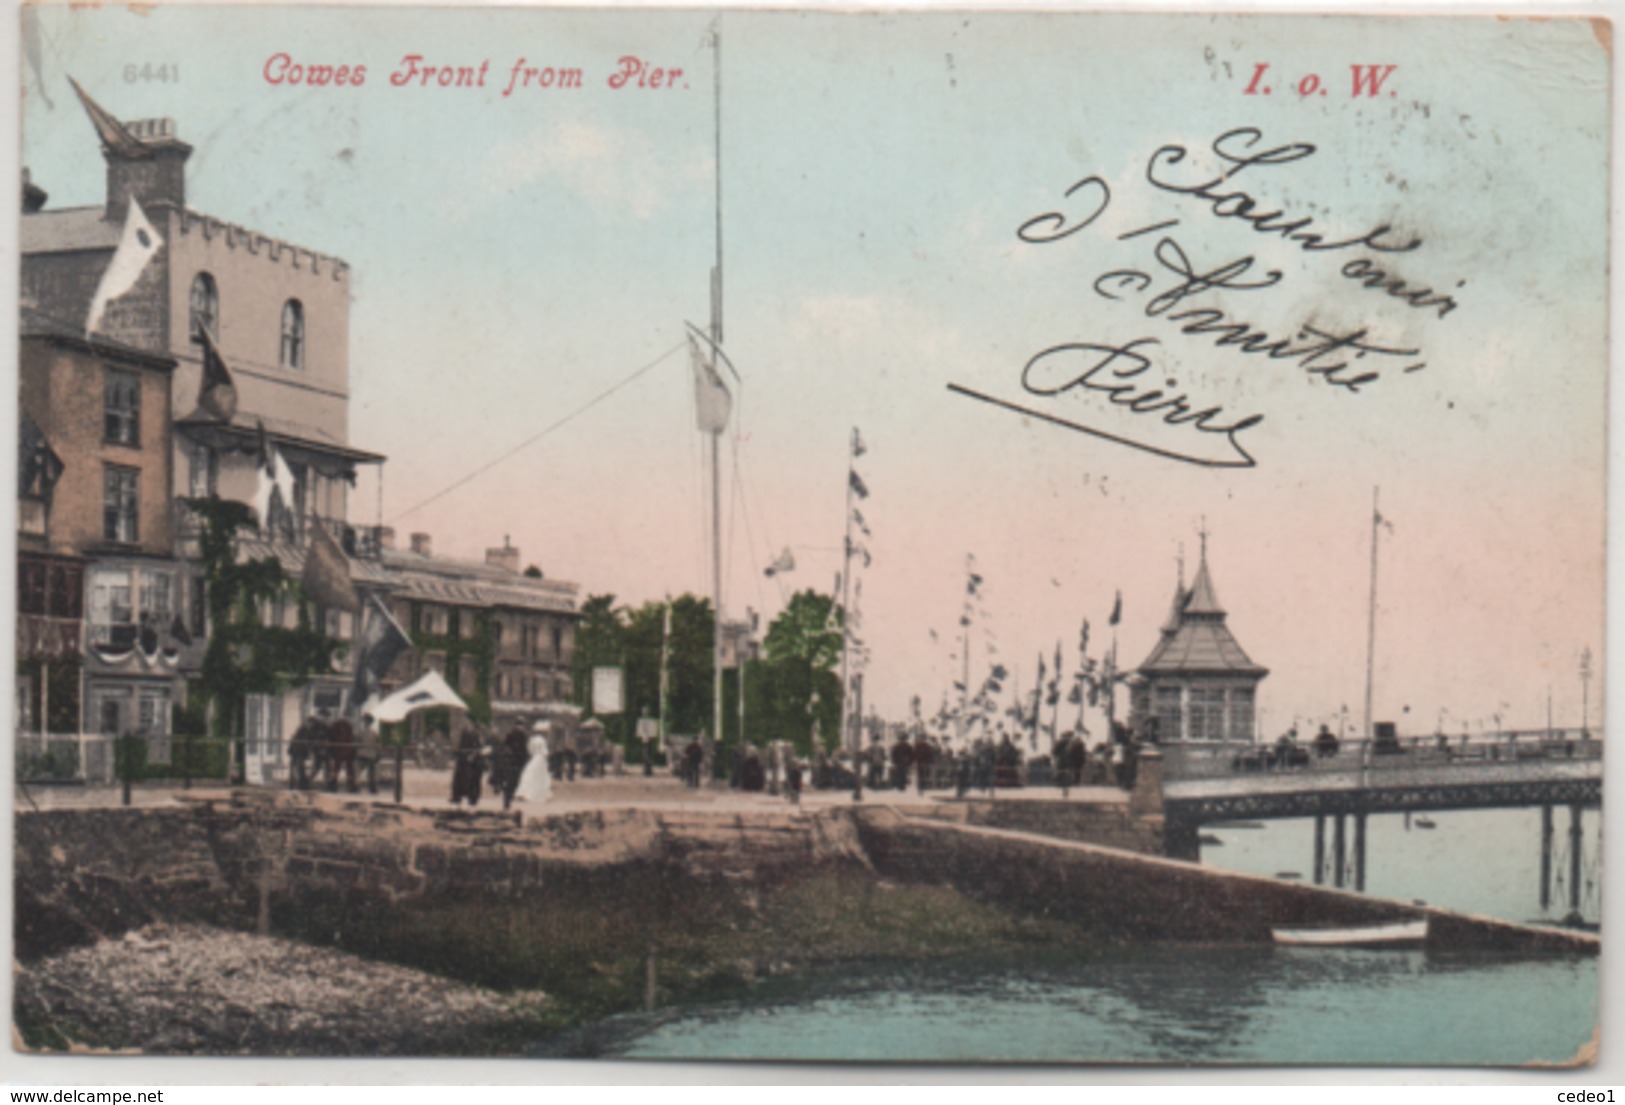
(83, 874)
(224, 858)
(235, 858)
(1120, 896)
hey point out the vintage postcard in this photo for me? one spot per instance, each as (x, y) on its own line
(934, 536)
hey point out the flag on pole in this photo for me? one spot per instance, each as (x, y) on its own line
(116, 137)
(327, 573)
(38, 466)
(858, 447)
(1117, 610)
(712, 403)
(381, 641)
(218, 393)
(135, 248)
(430, 689)
(859, 488)
(274, 489)
(785, 562)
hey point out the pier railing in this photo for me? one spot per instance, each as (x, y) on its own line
(1184, 760)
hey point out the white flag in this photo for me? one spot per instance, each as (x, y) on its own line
(135, 249)
(786, 562)
(712, 403)
(274, 486)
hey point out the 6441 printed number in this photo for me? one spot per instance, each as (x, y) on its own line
(166, 72)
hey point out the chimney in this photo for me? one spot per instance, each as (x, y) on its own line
(420, 544)
(506, 557)
(34, 196)
(156, 178)
(386, 537)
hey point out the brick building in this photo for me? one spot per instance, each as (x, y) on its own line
(126, 413)
(278, 314)
(100, 645)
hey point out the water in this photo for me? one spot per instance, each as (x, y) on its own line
(1156, 1005)
(1205, 1004)
(1475, 861)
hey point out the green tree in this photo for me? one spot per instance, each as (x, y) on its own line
(245, 656)
(630, 639)
(600, 642)
(797, 680)
(808, 630)
(688, 662)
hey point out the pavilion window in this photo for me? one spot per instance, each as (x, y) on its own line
(1241, 713)
(1207, 713)
(1169, 710)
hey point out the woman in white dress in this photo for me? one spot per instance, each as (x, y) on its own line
(535, 783)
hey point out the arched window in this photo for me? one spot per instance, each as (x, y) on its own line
(205, 306)
(293, 334)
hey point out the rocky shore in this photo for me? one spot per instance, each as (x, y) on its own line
(192, 990)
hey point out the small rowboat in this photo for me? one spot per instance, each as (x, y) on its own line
(1395, 934)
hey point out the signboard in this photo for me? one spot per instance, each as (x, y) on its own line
(648, 729)
(606, 691)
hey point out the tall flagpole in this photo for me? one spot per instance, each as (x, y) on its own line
(1371, 613)
(964, 651)
(716, 436)
(848, 731)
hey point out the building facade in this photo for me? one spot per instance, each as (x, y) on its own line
(502, 638)
(116, 618)
(101, 628)
(278, 315)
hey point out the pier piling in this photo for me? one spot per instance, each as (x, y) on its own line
(1339, 853)
(1545, 858)
(1359, 852)
(1576, 845)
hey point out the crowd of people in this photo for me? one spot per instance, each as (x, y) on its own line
(922, 763)
(521, 764)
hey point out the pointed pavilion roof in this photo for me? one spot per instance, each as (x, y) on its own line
(1195, 638)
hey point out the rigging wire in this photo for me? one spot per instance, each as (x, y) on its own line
(488, 465)
(742, 507)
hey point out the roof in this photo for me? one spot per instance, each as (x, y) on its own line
(1200, 647)
(68, 228)
(246, 425)
(1196, 639)
(471, 583)
(1202, 598)
(292, 559)
(428, 579)
(34, 323)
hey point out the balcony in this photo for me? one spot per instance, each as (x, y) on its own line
(357, 542)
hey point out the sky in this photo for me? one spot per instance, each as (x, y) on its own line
(518, 259)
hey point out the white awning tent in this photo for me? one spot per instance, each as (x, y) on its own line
(430, 690)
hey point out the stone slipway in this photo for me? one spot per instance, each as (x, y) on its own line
(1124, 896)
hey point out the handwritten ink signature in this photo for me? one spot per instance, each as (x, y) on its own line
(1089, 366)
(1128, 377)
